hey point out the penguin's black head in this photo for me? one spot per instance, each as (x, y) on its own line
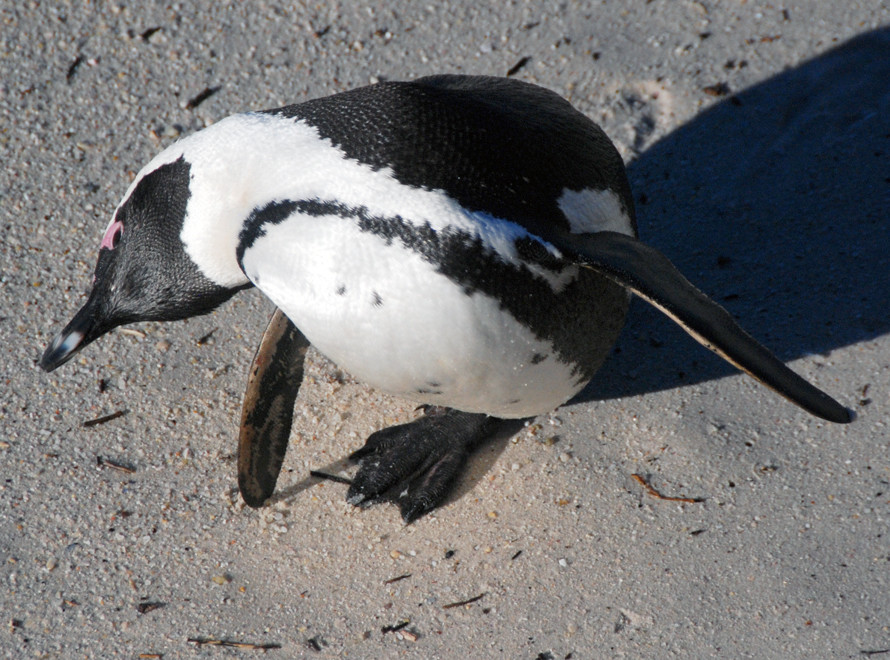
(143, 272)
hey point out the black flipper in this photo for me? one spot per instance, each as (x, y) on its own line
(419, 461)
(268, 410)
(650, 275)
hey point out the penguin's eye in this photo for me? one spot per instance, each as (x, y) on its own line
(112, 235)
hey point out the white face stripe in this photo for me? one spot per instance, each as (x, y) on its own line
(589, 211)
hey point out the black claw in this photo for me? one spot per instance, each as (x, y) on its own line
(411, 511)
(416, 465)
(433, 483)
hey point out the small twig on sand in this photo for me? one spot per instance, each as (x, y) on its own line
(206, 641)
(330, 477)
(463, 602)
(654, 493)
(104, 420)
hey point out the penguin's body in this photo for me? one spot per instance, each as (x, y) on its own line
(466, 242)
(393, 263)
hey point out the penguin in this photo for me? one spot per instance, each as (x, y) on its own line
(467, 242)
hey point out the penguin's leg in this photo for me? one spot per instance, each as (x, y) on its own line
(651, 275)
(268, 409)
(418, 461)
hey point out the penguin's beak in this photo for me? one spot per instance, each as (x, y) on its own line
(86, 326)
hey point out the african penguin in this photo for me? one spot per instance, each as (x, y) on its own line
(466, 242)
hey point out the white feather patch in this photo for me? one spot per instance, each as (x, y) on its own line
(589, 211)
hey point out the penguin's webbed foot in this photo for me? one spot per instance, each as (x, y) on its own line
(415, 465)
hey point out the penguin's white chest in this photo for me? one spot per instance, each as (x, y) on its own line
(385, 310)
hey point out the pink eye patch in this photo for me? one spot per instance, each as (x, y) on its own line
(112, 235)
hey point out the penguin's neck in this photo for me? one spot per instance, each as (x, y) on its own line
(246, 162)
(239, 165)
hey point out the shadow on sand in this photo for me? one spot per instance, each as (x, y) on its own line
(776, 203)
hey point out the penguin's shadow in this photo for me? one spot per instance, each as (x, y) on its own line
(774, 202)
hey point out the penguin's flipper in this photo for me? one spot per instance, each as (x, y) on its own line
(268, 409)
(650, 275)
(415, 465)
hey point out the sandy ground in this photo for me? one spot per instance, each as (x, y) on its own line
(758, 142)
